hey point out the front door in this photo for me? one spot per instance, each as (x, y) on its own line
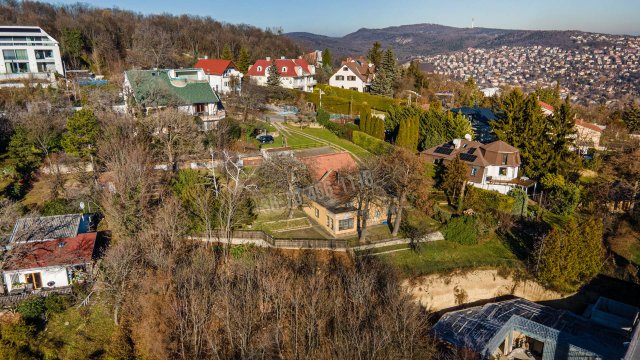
(34, 279)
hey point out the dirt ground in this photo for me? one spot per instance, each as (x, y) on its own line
(437, 292)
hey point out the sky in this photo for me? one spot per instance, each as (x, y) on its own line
(340, 17)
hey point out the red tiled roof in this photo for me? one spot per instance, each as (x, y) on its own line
(328, 163)
(588, 125)
(214, 66)
(289, 64)
(32, 255)
(544, 105)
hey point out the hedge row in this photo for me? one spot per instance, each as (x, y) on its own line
(485, 200)
(370, 143)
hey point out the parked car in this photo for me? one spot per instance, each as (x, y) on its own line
(265, 139)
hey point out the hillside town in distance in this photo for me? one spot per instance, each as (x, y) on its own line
(177, 187)
(591, 73)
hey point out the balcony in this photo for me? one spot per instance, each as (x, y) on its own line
(206, 116)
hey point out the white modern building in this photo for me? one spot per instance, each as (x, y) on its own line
(224, 76)
(354, 74)
(28, 52)
(294, 73)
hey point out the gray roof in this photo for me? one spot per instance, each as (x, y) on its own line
(483, 328)
(46, 228)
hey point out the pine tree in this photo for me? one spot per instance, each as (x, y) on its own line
(458, 126)
(365, 116)
(244, 61)
(386, 75)
(82, 134)
(375, 54)
(571, 255)
(561, 134)
(327, 62)
(408, 133)
(22, 153)
(226, 53)
(274, 76)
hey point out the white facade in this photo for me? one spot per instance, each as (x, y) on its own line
(28, 53)
(497, 173)
(50, 277)
(224, 83)
(294, 73)
(345, 78)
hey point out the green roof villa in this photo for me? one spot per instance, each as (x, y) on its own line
(188, 90)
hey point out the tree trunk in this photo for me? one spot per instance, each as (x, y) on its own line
(461, 196)
(398, 219)
(365, 216)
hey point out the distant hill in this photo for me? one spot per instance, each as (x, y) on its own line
(429, 39)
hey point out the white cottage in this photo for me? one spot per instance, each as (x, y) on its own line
(48, 252)
(224, 76)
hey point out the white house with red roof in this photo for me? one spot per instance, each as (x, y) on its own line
(354, 74)
(547, 109)
(48, 252)
(224, 76)
(294, 73)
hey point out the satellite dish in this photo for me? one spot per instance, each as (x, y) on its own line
(468, 137)
(81, 205)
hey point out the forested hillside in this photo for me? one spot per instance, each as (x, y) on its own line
(110, 40)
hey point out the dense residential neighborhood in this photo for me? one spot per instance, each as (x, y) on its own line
(174, 187)
(587, 73)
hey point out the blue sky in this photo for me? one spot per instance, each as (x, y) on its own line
(340, 17)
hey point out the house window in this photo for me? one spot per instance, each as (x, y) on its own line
(329, 222)
(377, 214)
(284, 69)
(317, 212)
(351, 78)
(200, 108)
(474, 171)
(46, 67)
(503, 171)
(345, 224)
(345, 69)
(505, 158)
(259, 68)
(44, 54)
(34, 279)
(15, 54)
(17, 68)
(353, 88)
(339, 78)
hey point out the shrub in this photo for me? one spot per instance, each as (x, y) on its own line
(441, 214)
(370, 143)
(341, 131)
(32, 309)
(487, 201)
(461, 230)
(57, 207)
(55, 304)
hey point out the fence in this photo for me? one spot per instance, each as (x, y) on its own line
(256, 237)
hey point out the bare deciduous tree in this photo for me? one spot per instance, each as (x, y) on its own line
(286, 175)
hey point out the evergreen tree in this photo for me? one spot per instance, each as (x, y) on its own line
(375, 54)
(408, 133)
(244, 61)
(454, 181)
(274, 75)
(522, 124)
(379, 129)
(458, 126)
(23, 153)
(327, 62)
(82, 134)
(561, 135)
(226, 53)
(571, 255)
(386, 75)
(631, 117)
(365, 116)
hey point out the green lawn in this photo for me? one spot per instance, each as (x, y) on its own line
(374, 233)
(442, 256)
(78, 333)
(327, 135)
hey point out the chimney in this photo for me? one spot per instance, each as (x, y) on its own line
(282, 58)
(268, 58)
(300, 57)
(457, 143)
